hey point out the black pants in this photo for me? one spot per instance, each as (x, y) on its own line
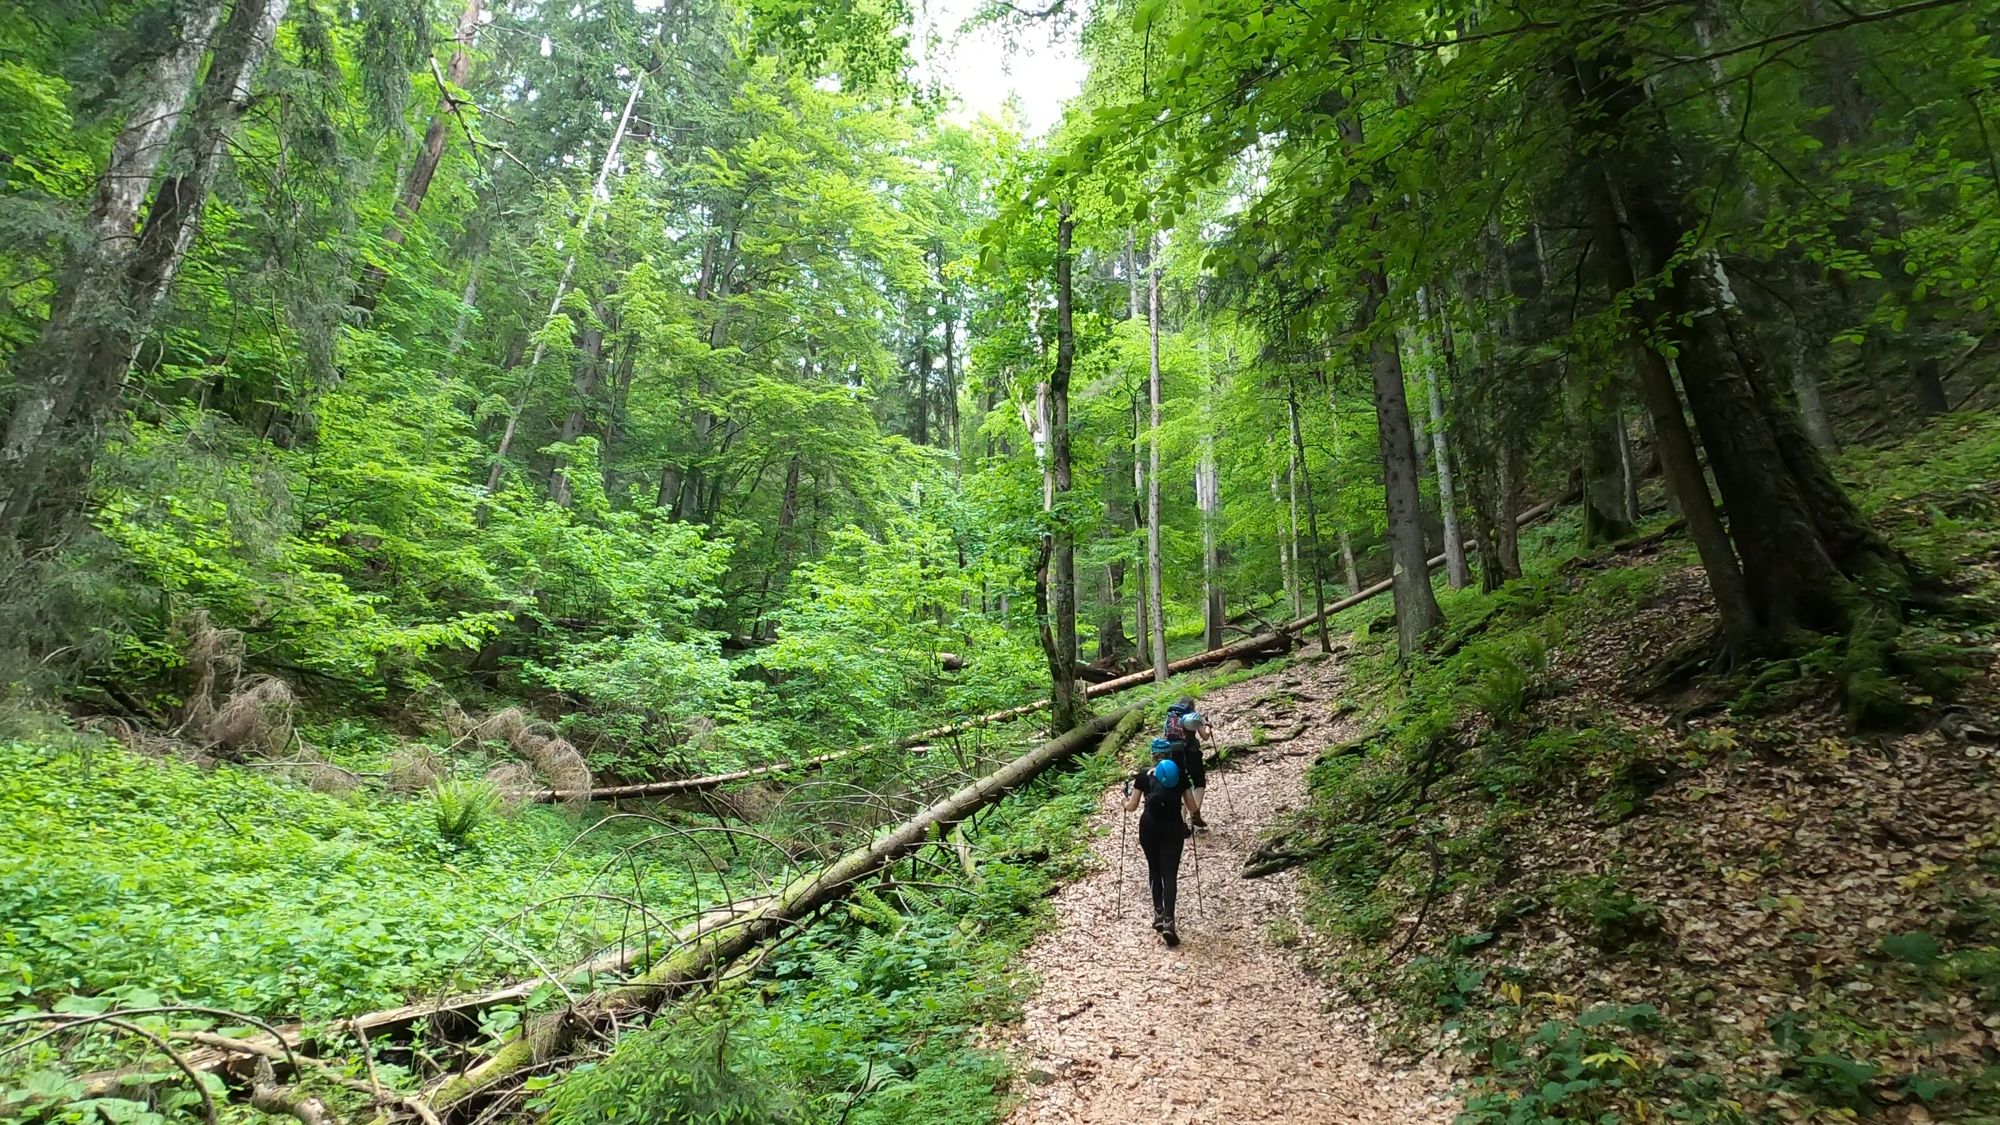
(1163, 866)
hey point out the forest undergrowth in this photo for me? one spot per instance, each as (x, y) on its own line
(1609, 896)
(193, 900)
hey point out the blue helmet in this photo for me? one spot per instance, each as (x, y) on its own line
(1167, 773)
(1162, 747)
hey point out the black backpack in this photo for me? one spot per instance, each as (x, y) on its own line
(1163, 804)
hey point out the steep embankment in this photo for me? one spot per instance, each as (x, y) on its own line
(1609, 891)
(1229, 1027)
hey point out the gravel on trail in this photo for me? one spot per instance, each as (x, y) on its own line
(1228, 1028)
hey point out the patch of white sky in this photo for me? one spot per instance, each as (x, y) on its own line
(1032, 67)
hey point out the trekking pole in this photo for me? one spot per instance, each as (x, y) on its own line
(1200, 902)
(1123, 814)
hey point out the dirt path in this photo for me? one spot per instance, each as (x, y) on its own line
(1227, 1028)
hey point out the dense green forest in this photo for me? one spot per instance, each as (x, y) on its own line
(424, 418)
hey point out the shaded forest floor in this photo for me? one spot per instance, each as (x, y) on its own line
(1580, 892)
(1600, 897)
(1228, 1027)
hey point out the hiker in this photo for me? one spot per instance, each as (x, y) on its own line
(1162, 832)
(1184, 728)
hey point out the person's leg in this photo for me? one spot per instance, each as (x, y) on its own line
(1150, 845)
(1170, 872)
(1197, 784)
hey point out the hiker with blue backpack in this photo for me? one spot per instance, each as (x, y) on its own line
(1161, 790)
(1183, 730)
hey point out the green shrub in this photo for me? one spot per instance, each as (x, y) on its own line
(681, 1072)
(461, 806)
(1598, 910)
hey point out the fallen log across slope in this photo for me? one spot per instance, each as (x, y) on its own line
(699, 953)
(709, 950)
(1275, 640)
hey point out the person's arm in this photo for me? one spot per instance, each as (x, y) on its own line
(1133, 794)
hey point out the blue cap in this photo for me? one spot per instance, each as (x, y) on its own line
(1162, 747)
(1167, 773)
(1192, 719)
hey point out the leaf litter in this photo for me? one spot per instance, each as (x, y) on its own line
(1229, 1027)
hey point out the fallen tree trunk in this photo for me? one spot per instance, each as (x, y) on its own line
(709, 949)
(295, 1041)
(1278, 639)
(687, 784)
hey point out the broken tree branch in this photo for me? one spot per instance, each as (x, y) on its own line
(707, 950)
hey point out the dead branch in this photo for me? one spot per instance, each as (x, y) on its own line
(266, 1095)
(707, 950)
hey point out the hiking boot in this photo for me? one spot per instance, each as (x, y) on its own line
(1159, 922)
(1171, 935)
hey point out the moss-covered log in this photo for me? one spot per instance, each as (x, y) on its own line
(705, 953)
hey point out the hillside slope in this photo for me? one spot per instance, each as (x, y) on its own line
(1607, 892)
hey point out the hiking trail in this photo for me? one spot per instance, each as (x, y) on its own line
(1229, 1027)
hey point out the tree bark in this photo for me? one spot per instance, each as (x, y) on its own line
(1142, 615)
(70, 383)
(589, 375)
(1805, 389)
(1059, 634)
(1312, 513)
(1675, 445)
(562, 283)
(1215, 610)
(417, 185)
(1417, 613)
(1457, 574)
(1155, 590)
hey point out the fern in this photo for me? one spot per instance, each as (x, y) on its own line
(462, 805)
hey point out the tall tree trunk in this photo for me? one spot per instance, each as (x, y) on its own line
(1118, 515)
(467, 306)
(1288, 538)
(1142, 614)
(562, 283)
(1507, 514)
(950, 389)
(417, 185)
(1491, 577)
(1805, 388)
(1929, 387)
(1628, 467)
(1674, 443)
(1457, 574)
(589, 372)
(1059, 635)
(1208, 498)
(1417, 613)
(782, 549)
(1605, 518)
(1131, 276)
(923, 403)
(70, 382)
(1808, 559)
(1312, 513)
(1155, 591)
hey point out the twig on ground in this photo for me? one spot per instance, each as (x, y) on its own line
(1437, 874)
